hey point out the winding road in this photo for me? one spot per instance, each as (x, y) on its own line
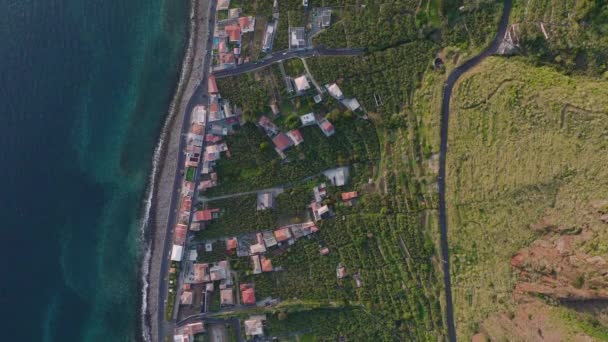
(445, 115)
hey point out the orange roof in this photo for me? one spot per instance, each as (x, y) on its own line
(347, 196)
(205, 215)
(282, 234)
(197, 128)
(226, 58)
(186, 203)
(234, 32)
(211, 85)
(214, 107)
(266, 264)
(327, 126)
(179, 237)
(231, 244)
(200, 272)
(247, 294)
(244, 21)
(281, 141)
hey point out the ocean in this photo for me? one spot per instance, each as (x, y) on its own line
(84, 89)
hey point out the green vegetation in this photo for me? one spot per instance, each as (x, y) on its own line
(253, 168)
(294, 67)
(172, 292)
(237, 215)
(190, 172)
(525, 143)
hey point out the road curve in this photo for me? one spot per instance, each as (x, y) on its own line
(445, 115)
(284, 55)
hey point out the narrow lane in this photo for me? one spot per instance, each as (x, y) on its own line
(445, 115)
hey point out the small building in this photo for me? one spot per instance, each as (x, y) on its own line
(247, 24)
(211, 85)
(308, 119)
(301, 84)
(348, 197)
(295, 136)
(268, 38)
(320, 192)
(176, 253)
(326, 127)
(265, 201)
(269, 239)
(317, 98)
(282, 142)
(186, 298)
(255, 261)
(234, 33)
(297, 38)
(266, 264)
(324, 251)
(226, 297)
(326, 17)
(179, 237)
(231, 245)
(201, 273)
(275, 108)
(268, 126)
(234, 13)
(341, 271)
(199, 114)
(351, 104)
(335, 91)
(206, 215)
(319, 211)
(218, 272)
(223, 5)
(282, 234)
(254, 326)
(247, 294)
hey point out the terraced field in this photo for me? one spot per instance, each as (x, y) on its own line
(525, 143)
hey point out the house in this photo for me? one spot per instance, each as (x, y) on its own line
(335, 91)
(199, 114)
(193, 255)
(348, 197)
(319, 212)
(194, 328)
(257, 268)
(176, 253)
(326, 17)
(254, 326)
(186, 204)
(234, 13)
(282, 234)
(181, 231)
(269, 239)
(227, 109)
(268, 38)
(282, 142)
(266, 264)
(222, 47)
(226, 297)
(295, 136)
(326, 127)
(341, 271)
(268, 126)
(211, 85)
(297, 38)
(317, 98)
(265, 201)
(351, 104)
(258, 247)
(197, 128)
(217, 272)
(206, 215)
(275, 108)
(223, 5)
(234, 33)
(301, 84)
(186, 298)
(226, 59)
(247, 24)
(231, 245)
(320, 192)
(358, 281)
(247, 294)
(308, 119)
(201, 273)
(324, 251)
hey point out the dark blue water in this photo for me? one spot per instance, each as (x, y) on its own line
(84, 87)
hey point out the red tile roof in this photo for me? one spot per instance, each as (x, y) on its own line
(327, 126)
(179, 237)
(211, 85)
(214, 107)
(197, 128)
(281, 141)
(231, 244)
(282, 234)
(186, 203)
(205, 215)
(266, 264)
(226, 58)
(244, 21)
(247, 294)
(347, 196)
(234, 32)
(296, 136)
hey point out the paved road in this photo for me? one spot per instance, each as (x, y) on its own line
(199, 97)
(445, 114)
(284, 55)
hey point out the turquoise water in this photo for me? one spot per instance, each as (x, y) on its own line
(84, 87)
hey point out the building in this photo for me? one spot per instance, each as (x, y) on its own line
(226, 297)
(211, 85)
(324, 251)
(255, 261)
(297, 38)
(308, 119)
(254, 326)
(218, 272)
(317, 98)
(301, 84)
(268, 38)
(206, 215)
(266, 264)
(295, 136)
(341, 271)
(348, 197)
(176, 253)
(231, 245)
(186, 298)
(326, 17)
(247, 294)
(265, 201)
(268, 126)
(179, 237)
(199, 114)
(275, 108)
(247, 24)
(234, 33)
(319, 211)
(326, 127)
(351, 104)
(269, 239)
(223, 5)
(282, 234)
(282, 142)
(201, 273)
(234, 13)
(335, 91)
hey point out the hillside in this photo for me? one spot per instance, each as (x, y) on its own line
(527, 192)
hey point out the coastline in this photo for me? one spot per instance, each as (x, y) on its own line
(161, 196)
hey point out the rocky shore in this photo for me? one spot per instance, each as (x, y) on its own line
(165, 182)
